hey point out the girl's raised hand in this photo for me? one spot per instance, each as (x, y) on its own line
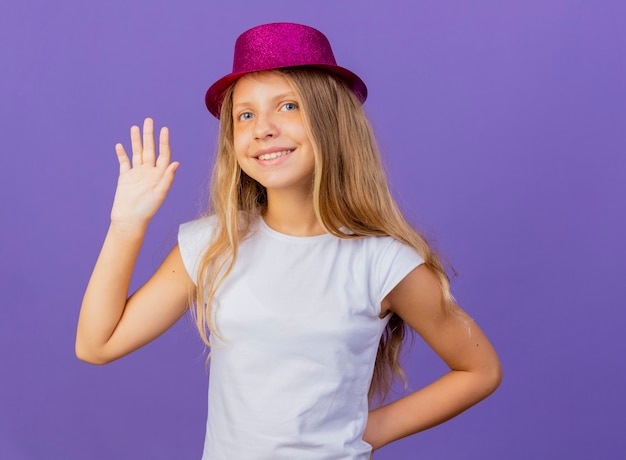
(144, 179)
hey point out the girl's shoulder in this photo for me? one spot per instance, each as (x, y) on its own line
(204, 224)
(390, 250)
(193, 239)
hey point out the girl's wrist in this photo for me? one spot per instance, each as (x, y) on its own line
(132, 230)
(374, 429)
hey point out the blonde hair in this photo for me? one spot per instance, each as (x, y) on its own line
(351, 199)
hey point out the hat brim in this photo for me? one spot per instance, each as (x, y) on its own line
(215, 94)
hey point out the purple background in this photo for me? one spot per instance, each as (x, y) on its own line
(503, 126)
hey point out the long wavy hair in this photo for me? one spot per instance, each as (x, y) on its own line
(350, 196)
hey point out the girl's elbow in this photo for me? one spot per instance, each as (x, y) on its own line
(89, 356)
(492, 376)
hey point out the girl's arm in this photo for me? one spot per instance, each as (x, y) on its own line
(474, 366)
(110, 325)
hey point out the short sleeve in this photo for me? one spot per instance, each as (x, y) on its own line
(193, 240)
(396, 261)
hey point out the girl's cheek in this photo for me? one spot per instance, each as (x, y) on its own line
(239, 134)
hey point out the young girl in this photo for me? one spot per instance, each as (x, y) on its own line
(304, 274)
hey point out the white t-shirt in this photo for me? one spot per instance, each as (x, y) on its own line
(300, 327)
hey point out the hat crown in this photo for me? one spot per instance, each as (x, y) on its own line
(270, 46)
(281, 45)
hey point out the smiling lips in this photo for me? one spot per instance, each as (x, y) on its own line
(274, 155)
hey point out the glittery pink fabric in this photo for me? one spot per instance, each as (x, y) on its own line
(272, 46)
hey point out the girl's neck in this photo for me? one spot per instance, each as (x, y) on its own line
(292, 215)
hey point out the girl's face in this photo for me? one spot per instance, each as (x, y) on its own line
(270, 139)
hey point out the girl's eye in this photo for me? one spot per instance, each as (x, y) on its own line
(245, 116)
(289, 106)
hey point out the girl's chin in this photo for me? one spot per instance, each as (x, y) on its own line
(275, 187)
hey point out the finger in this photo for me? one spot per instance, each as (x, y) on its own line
(165, 153)
(168, 177)
(135, 142)
(122, 157)
(148, 141)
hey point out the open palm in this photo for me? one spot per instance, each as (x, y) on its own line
(145, 178)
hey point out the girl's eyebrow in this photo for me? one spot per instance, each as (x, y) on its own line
(286, 95)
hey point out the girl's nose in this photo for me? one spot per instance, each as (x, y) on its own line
(265, 127)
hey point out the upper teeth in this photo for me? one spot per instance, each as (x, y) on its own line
(271, 156)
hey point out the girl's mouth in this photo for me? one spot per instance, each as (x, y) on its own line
(274, 155)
